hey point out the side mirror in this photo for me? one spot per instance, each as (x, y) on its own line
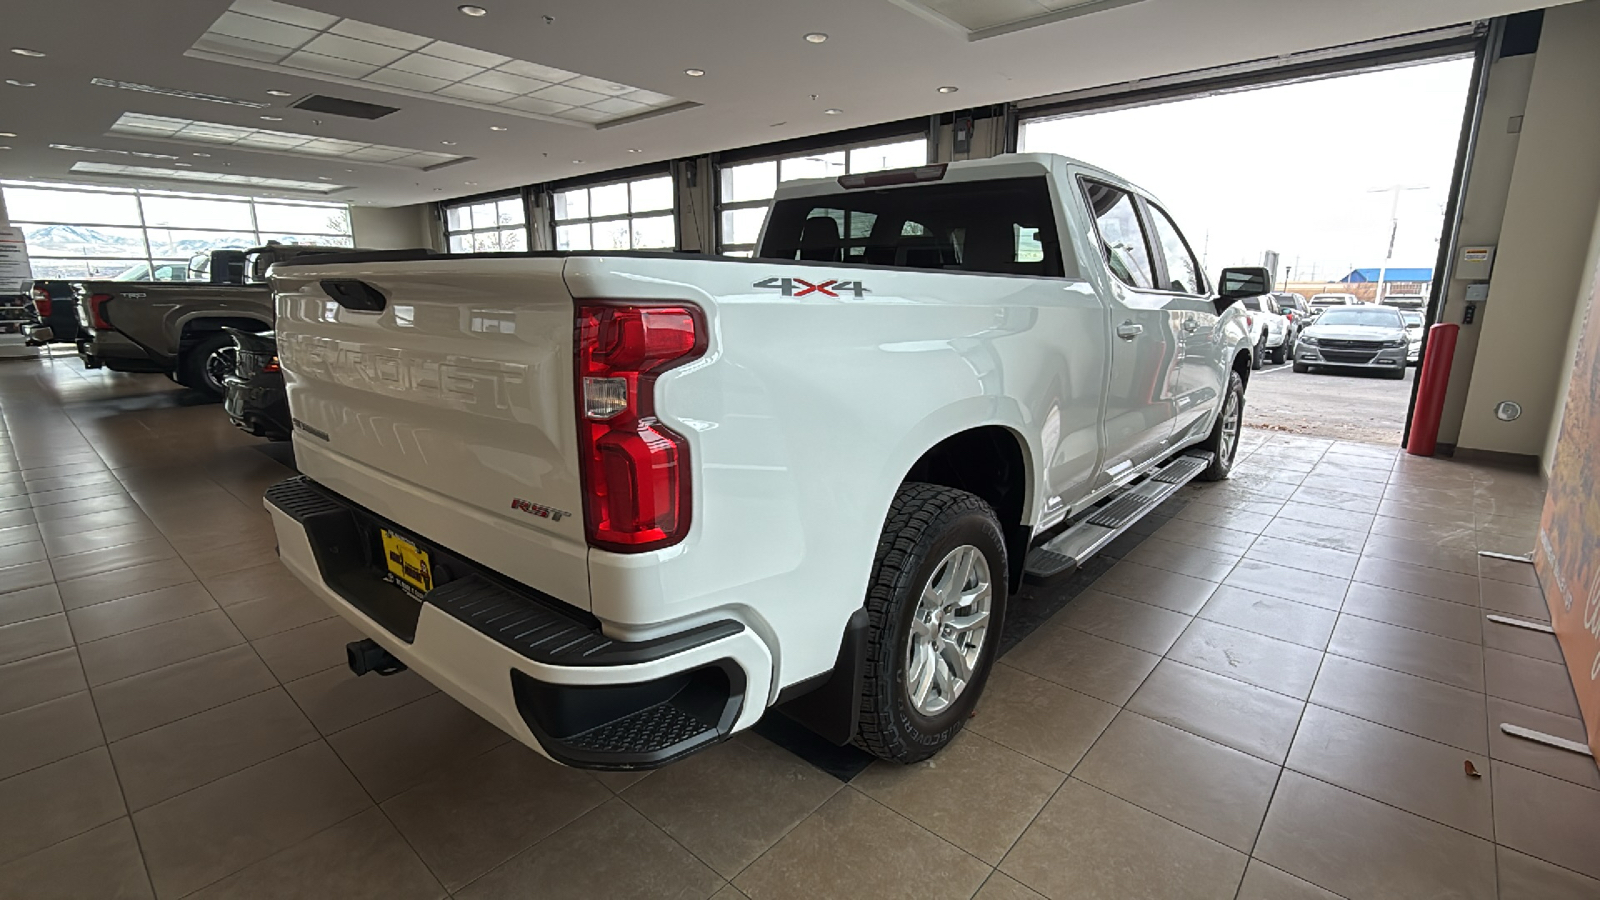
(1239, 282)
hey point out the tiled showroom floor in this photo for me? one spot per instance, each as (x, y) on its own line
(1277, 694)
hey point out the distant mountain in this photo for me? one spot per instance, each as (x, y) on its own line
(80, 240)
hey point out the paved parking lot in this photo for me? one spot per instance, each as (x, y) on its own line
(1346, 406)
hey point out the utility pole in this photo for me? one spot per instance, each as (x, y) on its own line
(1394, 192)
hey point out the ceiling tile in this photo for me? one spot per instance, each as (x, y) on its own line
(562, 94)
(535, 105)
(475, 94)
(376, 154)
(599, 86)
(505, 81)
(615, 106)
(408, 80)
(352, 49)
(262, 31)
(434, 66)
(583, 114)
(331, 65)
(270, 140)
(240, 48)
(534, 70)
(650, 98)
(480, 58)
(283, 12)
(429, 159)
(378, 34)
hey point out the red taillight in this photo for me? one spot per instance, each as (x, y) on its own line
(41, 302)
(272, 366)
(97, 303)
(635, 470)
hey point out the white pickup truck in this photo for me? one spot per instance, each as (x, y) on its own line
(621, 504)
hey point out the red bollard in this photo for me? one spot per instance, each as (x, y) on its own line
(1437, 355)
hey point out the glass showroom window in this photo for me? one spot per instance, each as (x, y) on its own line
(487, 226)
(747, 189)
(627, 215)
(80, 232)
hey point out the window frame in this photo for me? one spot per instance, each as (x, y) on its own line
(444, 219)
(670, 211)
(249, 238)
(724, 248)
(1166, 274)
(1157, 262)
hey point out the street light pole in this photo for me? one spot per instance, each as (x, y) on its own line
(1394, 228)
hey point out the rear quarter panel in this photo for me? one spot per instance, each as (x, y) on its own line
(806, 413)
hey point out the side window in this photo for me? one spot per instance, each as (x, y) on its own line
(1182, 269)
(1122, 239)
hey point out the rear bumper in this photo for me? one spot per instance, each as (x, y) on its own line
(115, 352)
(540, 671)
(259, 405)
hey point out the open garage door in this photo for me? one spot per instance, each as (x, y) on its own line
(1340, 170)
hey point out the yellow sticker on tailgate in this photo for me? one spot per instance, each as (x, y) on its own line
(406, 562)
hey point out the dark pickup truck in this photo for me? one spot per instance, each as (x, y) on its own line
(176, 327)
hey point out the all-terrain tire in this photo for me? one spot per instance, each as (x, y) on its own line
(1223, 445)
(1258, 356)
(926, 522)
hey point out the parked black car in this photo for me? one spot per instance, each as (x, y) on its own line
(52, 306)
(256, 399)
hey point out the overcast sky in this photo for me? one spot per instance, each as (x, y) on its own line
(1298, 176)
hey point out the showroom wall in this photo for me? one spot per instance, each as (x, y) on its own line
(1494, 155)
(1524, 348)
(392, 228)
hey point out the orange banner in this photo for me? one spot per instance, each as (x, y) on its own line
(1567, 557)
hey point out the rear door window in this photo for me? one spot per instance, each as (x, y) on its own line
(1000, 226)
(1122, 238)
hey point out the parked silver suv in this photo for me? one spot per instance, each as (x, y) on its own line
(1357, 337)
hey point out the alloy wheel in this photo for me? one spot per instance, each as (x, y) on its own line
(948, 628)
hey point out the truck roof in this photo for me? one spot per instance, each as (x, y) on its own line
(1006, 165)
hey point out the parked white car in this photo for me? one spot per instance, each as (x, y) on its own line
(621, 504)
(1269, 330)
(1416, 333)
(1321, 303)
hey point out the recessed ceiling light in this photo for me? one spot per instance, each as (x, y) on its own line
(76, 149)
(200, 154)
(949, 89)
(497, 128)
(448, 143)
(816, 37)
(4, 147)
(323, 178)
(272, 118)
(577, 162)
(24, 51)
(694, 73)
(184, 165)
(832, 112)
(438, 189)
(279, 94)
(470, 183)
(8, 134)
(473, 11)
(15, 83)
(634, 150)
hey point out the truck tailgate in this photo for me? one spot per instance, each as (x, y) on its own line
(450, 411)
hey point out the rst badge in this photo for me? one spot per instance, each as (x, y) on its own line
(799, 287)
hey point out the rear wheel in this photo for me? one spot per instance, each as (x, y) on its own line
(1259, 356)
(1280, 353)
(1224, 440)
(936, 601)
(207, 363)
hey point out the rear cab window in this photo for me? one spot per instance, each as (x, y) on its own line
(996, 226)
(1123, 243)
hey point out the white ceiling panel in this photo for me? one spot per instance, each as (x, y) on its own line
(763, 82)
(352, 49)
(472, 57)
(328, 65)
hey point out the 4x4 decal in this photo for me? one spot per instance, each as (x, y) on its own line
(799, 287)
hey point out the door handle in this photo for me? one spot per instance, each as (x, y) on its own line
(1129, 330)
